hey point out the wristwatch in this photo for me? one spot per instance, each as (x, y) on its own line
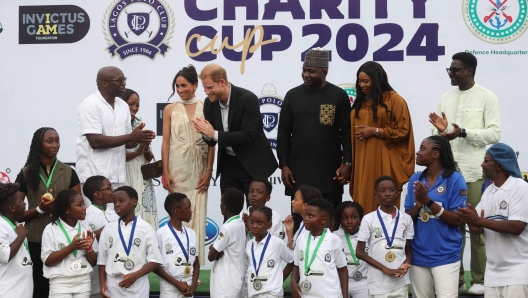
(348, 164)
(463, 133)
(429, 203)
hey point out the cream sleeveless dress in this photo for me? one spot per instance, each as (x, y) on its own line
(187, 162)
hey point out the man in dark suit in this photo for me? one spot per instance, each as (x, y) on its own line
(233, 121)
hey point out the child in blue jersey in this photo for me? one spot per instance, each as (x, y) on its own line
(347, 220)
(433, 196)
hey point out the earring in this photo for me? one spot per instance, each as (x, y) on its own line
(66, 212)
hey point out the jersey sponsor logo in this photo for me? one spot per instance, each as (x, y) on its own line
(211, 231)
(138, 28)
(270, 107)
(496, 21)
(440, 189)
(271, 263)
(503, 205)
(301, 255)
(137, 242)
(377, 232)
(328, 258)
(192, 251)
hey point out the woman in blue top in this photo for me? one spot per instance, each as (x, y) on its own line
(432, 199)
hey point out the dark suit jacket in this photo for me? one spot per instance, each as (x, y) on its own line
(245, 135)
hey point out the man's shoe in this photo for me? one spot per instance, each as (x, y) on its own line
(462, 288)
(476, 289)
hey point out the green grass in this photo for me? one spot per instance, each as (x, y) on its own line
(205, 277)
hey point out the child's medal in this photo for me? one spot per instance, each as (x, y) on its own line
(425, 216)
(129, 264)
(47, 182)
(390, 256)
(257, 284)
(187, 269)
(75, 265)
(357, 276)
(307, 285)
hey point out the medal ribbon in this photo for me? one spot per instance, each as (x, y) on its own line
(127, 249)
(47, 183)
(102, 209)
(261, 256)
(185, 252)
(352, 252)
(14, 229)
(389, 240)
(306, 264)
(68, 236)
(300, 231)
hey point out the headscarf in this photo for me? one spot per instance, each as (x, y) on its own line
(506, 158)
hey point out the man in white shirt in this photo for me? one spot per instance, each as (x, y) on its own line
(474, 114)
(104, 130)
(502, 216)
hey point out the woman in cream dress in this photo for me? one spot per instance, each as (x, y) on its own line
(187, 160)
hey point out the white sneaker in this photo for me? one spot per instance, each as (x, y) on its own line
(462, 288)
(476, 289)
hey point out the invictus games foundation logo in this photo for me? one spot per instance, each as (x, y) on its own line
(270, 107)
(52, 24)
(496, 21)
(350, 90)
(138, 28)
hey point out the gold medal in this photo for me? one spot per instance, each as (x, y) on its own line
(187, 271)
(390, 256)
(48, 196)
(425, 217)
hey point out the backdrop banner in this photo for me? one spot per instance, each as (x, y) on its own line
(51, 51)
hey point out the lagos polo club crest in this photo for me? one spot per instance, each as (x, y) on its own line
(270, 106)
(138, 28)
(496, 21)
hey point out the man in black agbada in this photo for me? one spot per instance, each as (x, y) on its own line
(313, 142)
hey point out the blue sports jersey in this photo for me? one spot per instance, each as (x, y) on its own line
(435, 242)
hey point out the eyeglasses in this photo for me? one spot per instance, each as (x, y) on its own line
(119, 80)
(106, 188)
(454, 69)
(486, 160)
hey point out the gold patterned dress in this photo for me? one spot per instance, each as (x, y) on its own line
(187, 162)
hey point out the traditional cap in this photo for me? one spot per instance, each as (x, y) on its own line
(506, 157)
(316, 57)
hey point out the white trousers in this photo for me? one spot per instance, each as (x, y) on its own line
(70, 287)
(358, 289)
(403, 292)
(440, 280)
(512, 291)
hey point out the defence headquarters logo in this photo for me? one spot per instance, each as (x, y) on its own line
(496, 21)
(138, 28)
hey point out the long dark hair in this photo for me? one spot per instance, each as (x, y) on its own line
(62, 202)
(33, 160)
(189, 73)
(379, 85)
(444, 147)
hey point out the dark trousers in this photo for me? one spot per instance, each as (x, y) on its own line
(40, 283)
(234, 175)
(334, 198)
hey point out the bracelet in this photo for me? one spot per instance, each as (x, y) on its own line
(440, 212)
(377, 132)
(90, 249)
(209, 168)
(39, 210)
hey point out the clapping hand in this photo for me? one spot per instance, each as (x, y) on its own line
(420, 193)
(439, 122)
(469, 215)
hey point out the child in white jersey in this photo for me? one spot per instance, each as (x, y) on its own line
(347, 220)
(260, 193)
(128, 250)
(67, 251)
(265, 275)
(228, 251)
(15, 262)
(303, 195)
(388, 234)
(99, 191)
(320, 264)
(179, 250)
